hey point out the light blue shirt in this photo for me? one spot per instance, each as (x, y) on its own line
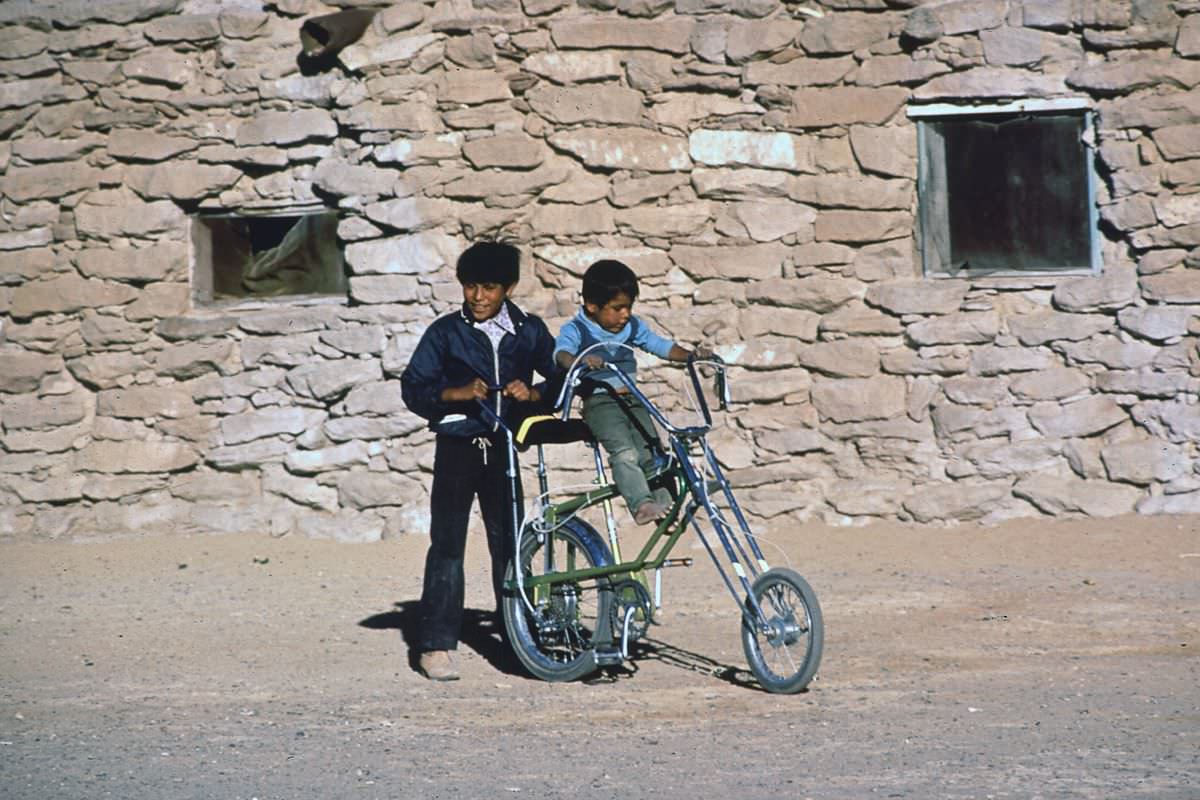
(581, 332)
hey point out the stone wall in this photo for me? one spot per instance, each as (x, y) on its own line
(751, 159)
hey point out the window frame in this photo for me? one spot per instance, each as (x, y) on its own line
(202, 269)
(932, 216)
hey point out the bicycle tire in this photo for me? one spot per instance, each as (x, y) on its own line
(554, 638)
(794, 617)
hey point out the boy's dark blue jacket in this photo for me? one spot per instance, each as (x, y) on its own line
(453, 352)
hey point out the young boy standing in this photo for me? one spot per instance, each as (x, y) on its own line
(487, 343)
(609, 291)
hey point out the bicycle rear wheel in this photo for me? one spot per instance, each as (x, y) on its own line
(784, 655)
(553, 627)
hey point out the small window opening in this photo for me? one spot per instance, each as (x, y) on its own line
(240, 258)
(1007, 189)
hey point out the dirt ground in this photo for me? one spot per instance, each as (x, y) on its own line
(1036, 659)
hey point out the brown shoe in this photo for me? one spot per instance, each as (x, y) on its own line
(648, 512)
(438, 666)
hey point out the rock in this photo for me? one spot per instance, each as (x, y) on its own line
(739, 184)
(341, 179)
(1084, 417)
(960, 501)
(745, 148)
(1010, 46)
(1049, 326)
(1144, 462)
(472, 87)
(756, 39)
(172, 401)
(569, 67)
(990, 360)
(986, 83)
(134, 218)
(392, 50)
(561, 219)
(192, 359)
(1158, 323)
(311, 462)
(1109, 351)
(66, 294)
(505, 151)
(325, 381)
(135, 456)
(665, 222)
(36, 412)
(48, 181)
(306, 492)
(867, 498)
(861, 192)
(156, 262)
(917, 297)
(957, 328)
(1057, 383)
(846, 358)
(1020, 458)
(766, 221)
(168, 68)
(357, 341)
(844, 105)
(409, 213)
(180, 180)
(817, 293)
(252, 454)
(1116, 288)
(797, 72)
(420, 253)
(857, 399)
(762, 262)
(624, 148)
(587, 33)
(1054, 495)
(158, 300)
(343, 429)
(1188, 503)
(1178, 286)
(603, 105)
(286, 127)
(861, 226)
(359, 490)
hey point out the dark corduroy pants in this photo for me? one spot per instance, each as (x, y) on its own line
(463, 471)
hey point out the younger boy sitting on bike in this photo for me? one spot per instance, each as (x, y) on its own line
(609, 291)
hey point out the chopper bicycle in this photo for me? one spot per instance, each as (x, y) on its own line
(573, 604)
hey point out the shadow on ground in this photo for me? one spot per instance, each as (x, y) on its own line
(481, 631)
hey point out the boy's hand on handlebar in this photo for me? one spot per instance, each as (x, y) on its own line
(475, 390)
(593, 361)
(520, 392)
(703, 353)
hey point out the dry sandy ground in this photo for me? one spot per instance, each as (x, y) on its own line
(1037, 659)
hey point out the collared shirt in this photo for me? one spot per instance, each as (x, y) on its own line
(495, 327)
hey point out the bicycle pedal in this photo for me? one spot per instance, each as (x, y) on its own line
(607, 656)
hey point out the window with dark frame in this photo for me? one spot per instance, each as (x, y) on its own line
(1007, 189)
(251, 257)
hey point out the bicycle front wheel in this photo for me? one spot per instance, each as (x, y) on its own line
(553, 627)
(783, 648)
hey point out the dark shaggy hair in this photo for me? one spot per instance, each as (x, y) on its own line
(489, 262)
(606, 279)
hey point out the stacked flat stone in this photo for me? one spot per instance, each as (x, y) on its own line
(751, 159)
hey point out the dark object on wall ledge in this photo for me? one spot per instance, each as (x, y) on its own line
(322, 38)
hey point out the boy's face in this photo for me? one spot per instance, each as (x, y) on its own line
(613, 315)
(484, 299)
